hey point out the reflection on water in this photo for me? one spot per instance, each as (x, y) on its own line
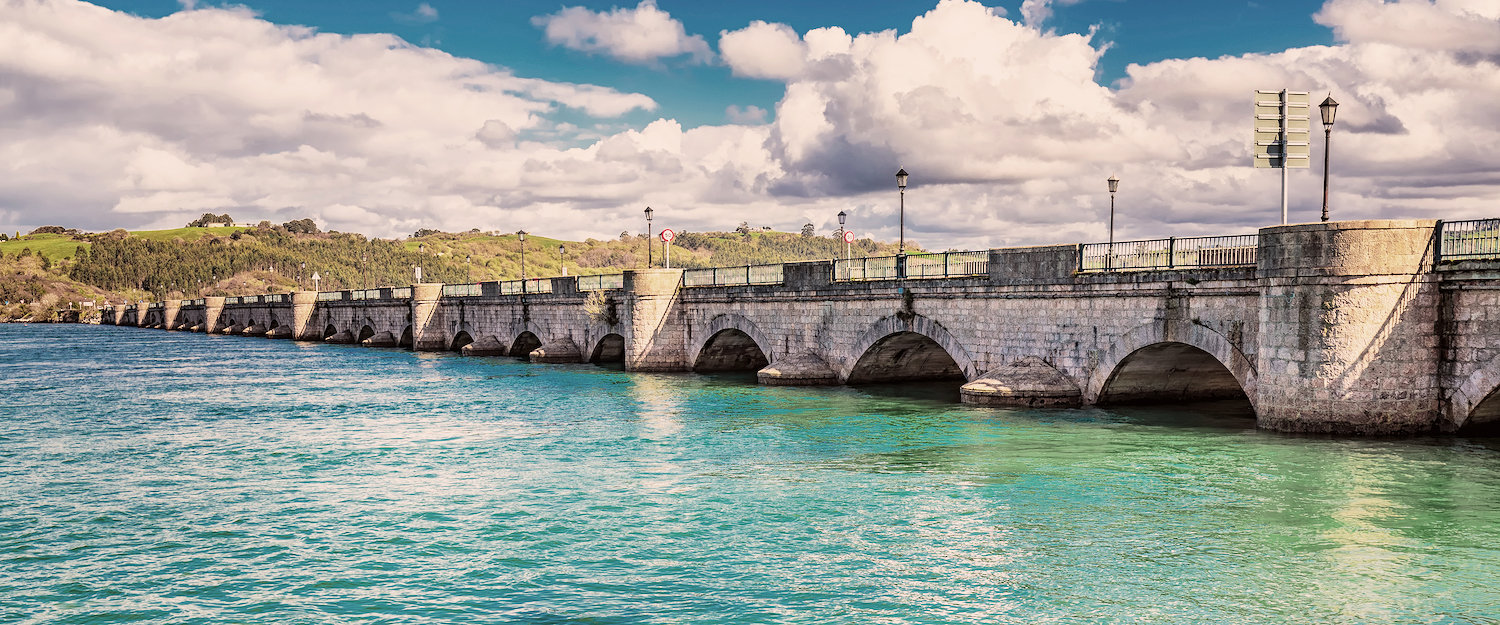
(164, 477)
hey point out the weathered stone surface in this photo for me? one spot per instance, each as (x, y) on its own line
(559, 350)
(804, 369)
(382, 339)
(485, 346)
(1342, 327)
(279, 332)
(1028, 382)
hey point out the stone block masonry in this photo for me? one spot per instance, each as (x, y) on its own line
(1342, 327)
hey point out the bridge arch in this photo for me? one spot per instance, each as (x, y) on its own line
(364, 333)
(1475, 403)
(1155, 349)
(907, 348)
(727, 336)
(460, 340)
(405, 340)
(524, 344)
(330, 331)
(609, 348)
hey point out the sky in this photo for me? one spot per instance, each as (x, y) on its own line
(568, 119)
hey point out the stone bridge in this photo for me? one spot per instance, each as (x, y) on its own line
(1343, 327)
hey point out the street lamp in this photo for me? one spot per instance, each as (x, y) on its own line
(561, 254)
(648, 237)
(1328, 108)
(901, 184)
(1114, 185)
(302, 271)
(521, 237)
(469, 268)
(842, 217)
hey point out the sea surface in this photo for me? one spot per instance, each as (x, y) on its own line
(157, 477)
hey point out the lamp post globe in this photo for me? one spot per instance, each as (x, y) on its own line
(1328, 109)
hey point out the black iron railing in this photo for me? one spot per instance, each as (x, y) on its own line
(1469, 240)
(730, 276)
(933, 265)
(601, 282)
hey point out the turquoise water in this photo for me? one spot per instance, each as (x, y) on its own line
(163, 477)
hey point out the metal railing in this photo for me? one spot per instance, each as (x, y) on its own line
(532, 286)
(462, 290)
(401, 293)
(1170, 253)
(730, 276)
(601, 282)
(925, 265)
(331, 296)
(1469, 240)
(231, 300)
(871, 268)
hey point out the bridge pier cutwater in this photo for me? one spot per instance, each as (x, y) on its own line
(1342, 327)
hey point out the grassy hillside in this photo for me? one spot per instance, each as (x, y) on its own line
(193, 262)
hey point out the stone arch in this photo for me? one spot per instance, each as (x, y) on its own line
(609, 348)
(405, 340)
(460, 340)
(731, 321)
(525, 342)
(330, 331)
(884, 334)
(364, 333)
(1477, 396)
(1152, 335)
(730, 349)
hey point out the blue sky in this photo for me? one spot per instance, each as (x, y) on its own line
(567, 119)
(502, 33)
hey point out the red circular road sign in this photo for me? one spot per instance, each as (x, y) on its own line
(848, 236)
(667, 235)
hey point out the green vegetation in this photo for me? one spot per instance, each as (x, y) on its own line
(58, 265)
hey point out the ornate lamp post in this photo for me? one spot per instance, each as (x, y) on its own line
(521, 237)
(648, 237)
(561, 258)
(1328, 108)
(842, 217)
(469, 268)
(1114, 185)
(901, 185)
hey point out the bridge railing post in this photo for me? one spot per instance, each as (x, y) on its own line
(1171, 251)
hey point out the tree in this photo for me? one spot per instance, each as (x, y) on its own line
(743, 228)
(301, 226)
(210, 218)
(808, 230)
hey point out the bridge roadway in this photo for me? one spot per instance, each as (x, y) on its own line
(1341, 327)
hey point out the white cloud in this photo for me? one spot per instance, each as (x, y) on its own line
(750, 114)
(763, 50)
(642, 35)
(1454, 25)
(1006, 134)
(423, 14)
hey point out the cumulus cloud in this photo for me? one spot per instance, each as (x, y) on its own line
(1006, 134)
(641, 35)
(750, 114)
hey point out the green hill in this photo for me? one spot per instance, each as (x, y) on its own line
(193, 262)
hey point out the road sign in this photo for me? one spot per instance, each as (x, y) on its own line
(848, 236)
(667, 235)
(1283, 127)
